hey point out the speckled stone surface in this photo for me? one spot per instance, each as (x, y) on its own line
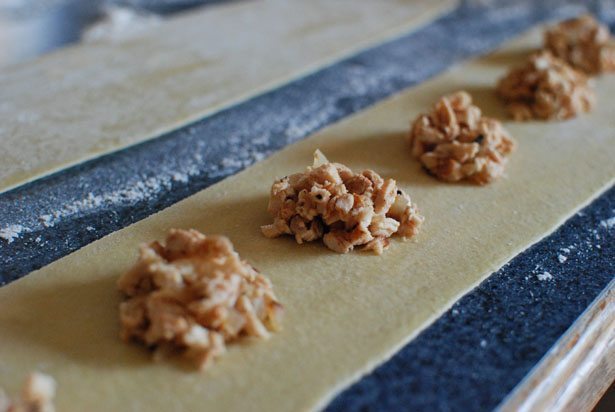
(472, 356)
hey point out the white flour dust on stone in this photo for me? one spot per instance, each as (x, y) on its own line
(11, 232)
(138, 192)
(46, 220)
(119, 23)
(239, 154)
(609, 223)
(127, 196)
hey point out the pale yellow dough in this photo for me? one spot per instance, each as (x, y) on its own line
(89, 100)
(345, 314)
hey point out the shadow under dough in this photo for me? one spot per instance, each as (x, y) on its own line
(508, 58)
(79, 320)
(485, 97)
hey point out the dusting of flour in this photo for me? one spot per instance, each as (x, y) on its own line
(11, 232)
(544, 276)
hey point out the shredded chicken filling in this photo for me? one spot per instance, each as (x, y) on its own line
(547, 88)
(583, 43)
(455, 141)
(344, 209)
(194, 294)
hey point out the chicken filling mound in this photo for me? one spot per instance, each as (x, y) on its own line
(584, 43)
(455, 141)
(193, 295)
(344, 209)
(547, 88)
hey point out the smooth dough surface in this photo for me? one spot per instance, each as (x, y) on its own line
(345, 314)
(89, 100)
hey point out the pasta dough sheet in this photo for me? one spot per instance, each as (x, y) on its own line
(345, 314)
(85, 101)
